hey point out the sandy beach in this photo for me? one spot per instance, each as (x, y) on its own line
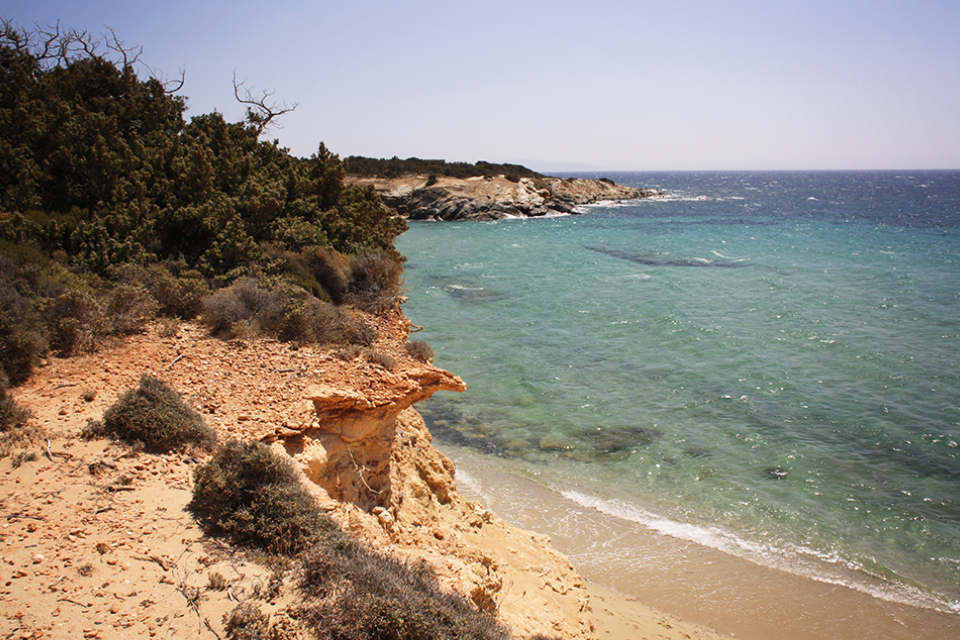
(708, 588)
(619, 616)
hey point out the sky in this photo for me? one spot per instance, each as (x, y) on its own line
(629, 85)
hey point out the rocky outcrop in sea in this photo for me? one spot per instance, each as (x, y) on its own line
(419, 197)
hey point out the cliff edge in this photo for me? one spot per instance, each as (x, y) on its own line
(98, 533)
(420, 197)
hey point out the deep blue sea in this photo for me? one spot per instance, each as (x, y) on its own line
(767, 364)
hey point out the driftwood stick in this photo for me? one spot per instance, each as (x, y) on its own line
(206, 623)
(71, 601)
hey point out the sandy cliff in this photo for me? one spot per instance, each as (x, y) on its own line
(494, 198)
(115, 553)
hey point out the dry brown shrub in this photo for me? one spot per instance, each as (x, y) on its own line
(154, 416)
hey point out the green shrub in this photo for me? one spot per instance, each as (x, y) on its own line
(242, 300)
(331, 269)
(12, 415)
(15, 428)
(21, 335)
(312, 320)
(155, 416)
(364, 595)
(419, 350)
(379, 358)
(178, 292)
(186, 300)
(247, 622)
(129, 308)
(255, 497)
(77, 323)
(375, 281)
(286, 312)
(357, 332)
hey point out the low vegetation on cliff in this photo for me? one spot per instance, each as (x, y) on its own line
(254, 497)
(153, 416)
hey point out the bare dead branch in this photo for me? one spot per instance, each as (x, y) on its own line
(50, 41)
(259, 113)
(54, 46)
(116, 44)
(168, 85)
(80, 40)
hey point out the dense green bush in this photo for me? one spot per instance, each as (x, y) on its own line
(177, 291)
(363, 595)
(324, 272)
(153, 415)
(114, 208)
(395, 167)
(129, 308)
(255, 497)
(101, 168)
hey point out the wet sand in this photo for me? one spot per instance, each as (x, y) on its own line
(699, 585)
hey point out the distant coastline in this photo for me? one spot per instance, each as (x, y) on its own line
(494, 197)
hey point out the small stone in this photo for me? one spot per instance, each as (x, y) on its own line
(37, 559)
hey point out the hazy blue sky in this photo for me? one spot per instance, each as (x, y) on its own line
(631, 85)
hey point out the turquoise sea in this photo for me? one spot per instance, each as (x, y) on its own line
(766, 365)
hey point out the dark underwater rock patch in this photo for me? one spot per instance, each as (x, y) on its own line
(661, 260)
(775, 473)
(619, 441)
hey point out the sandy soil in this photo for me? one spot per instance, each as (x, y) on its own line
(96, 541)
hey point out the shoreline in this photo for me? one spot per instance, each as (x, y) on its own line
(702, 586)
(640, 584)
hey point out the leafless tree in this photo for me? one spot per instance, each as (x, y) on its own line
(54, 46)
(259, 113)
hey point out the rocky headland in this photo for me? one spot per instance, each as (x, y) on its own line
(421, 197)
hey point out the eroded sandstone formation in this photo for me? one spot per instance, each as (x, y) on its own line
(377, 471)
